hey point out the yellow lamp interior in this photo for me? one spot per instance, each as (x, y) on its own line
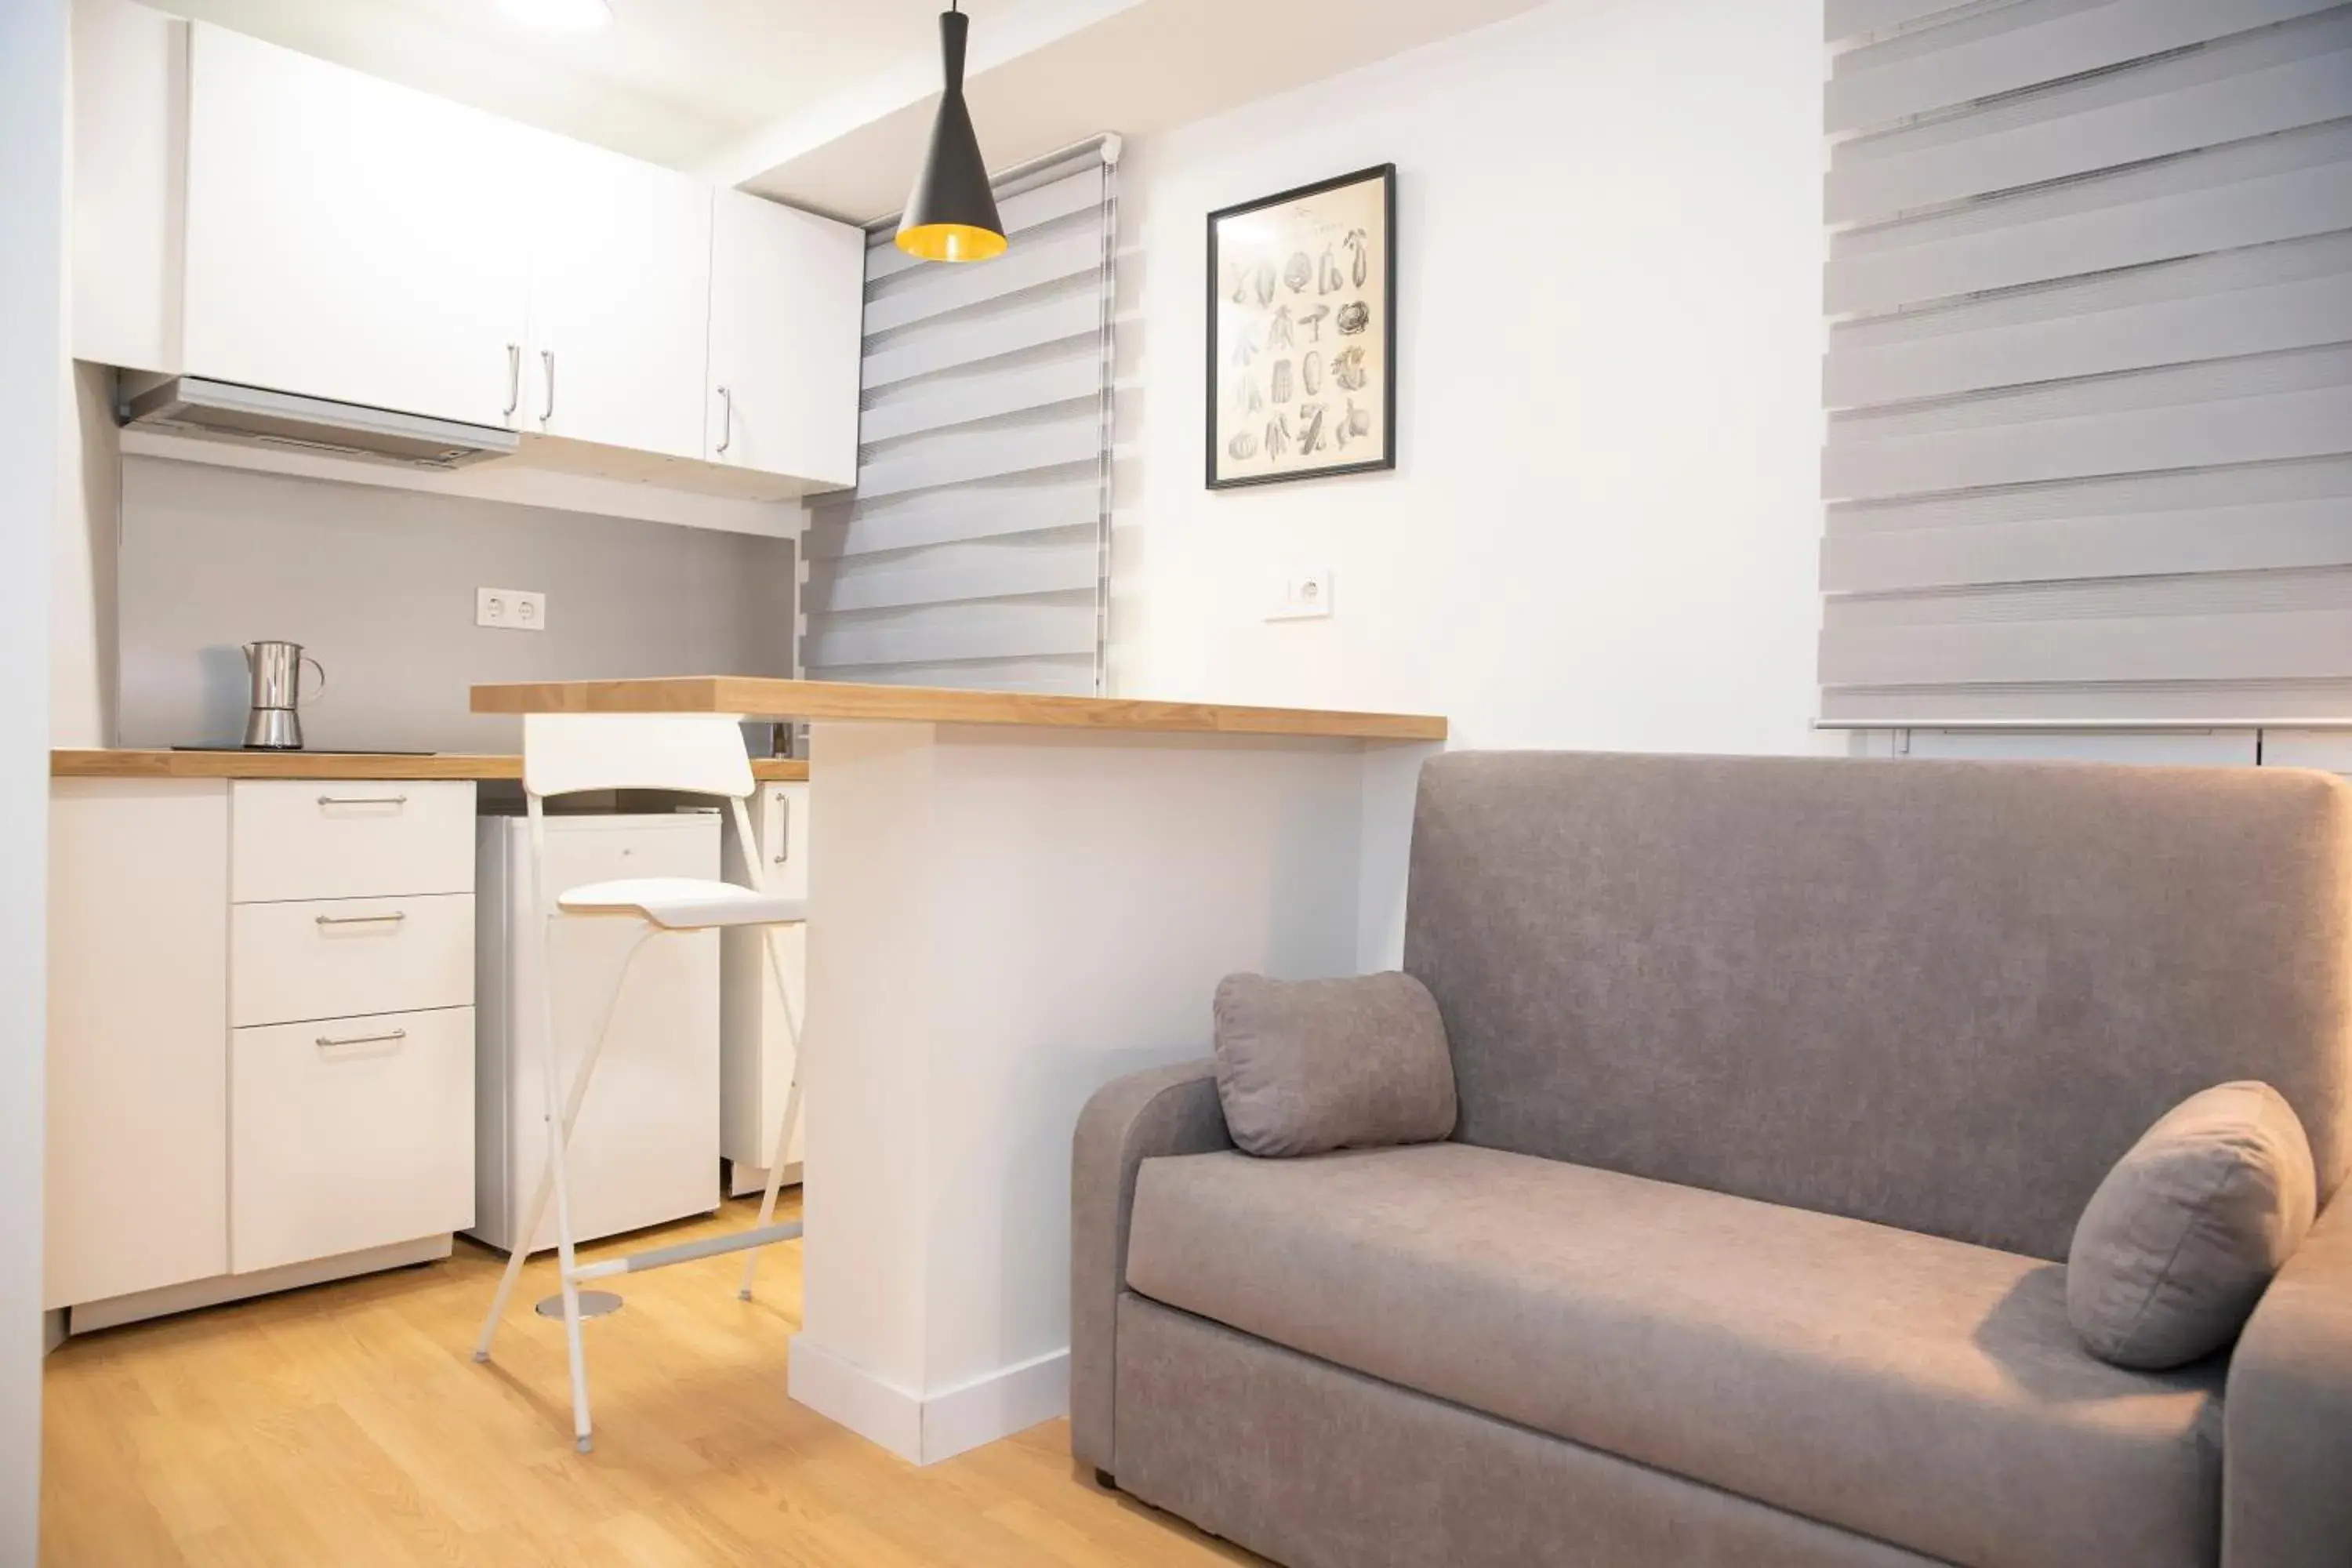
(952, 242)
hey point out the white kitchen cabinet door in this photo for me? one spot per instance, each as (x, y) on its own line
(620, 301)
(309, 839)
(129, 65)
(787, 310)
(350, 1133)
(350, 238)
(344, 958)
(137, 1194)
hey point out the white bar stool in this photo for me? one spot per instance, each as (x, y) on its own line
(564, 753)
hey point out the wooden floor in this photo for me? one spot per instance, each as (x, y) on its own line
(347, 1425)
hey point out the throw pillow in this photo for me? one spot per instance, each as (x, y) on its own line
(1308, 1066)
(2183, 1236)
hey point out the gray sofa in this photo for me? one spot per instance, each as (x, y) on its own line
(1782, 1083)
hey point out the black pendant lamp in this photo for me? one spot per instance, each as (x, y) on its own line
(952, 215)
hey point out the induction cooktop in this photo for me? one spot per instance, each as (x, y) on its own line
(298, 751)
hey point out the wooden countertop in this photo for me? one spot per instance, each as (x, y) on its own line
(142, 764)
(760, 698)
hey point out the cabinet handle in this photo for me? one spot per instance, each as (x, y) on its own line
(514, 378)
(330, 1040)
(361, 920)
(362, 800)
(727, 437)
(783, 828)
(547, 364)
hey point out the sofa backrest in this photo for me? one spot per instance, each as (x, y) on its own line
(1939, 995)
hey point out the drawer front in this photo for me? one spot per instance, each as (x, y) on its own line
(348, 1134)
(342, 958)
(293, 838)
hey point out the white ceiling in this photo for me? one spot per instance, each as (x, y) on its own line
(824, 102)
(670, 80)
(1140, 67)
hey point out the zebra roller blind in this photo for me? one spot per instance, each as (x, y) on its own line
(973, 552)
(2090, 365)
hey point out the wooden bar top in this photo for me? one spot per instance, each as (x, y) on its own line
(124, 763)
(762, 698)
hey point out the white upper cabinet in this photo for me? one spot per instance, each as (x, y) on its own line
(350, 238)
(787, 303)
(620, 301)
(249, 213)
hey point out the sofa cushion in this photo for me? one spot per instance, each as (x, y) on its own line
(1942, 995)
(1307, 1065)
(1926, 1392)
(2180, 1239)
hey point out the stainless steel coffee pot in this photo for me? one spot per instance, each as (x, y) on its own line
(274, 725)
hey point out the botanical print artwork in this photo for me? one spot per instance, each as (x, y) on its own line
(1302, 319)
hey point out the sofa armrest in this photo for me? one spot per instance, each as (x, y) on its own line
(2286, 1414)
(1167, 1111)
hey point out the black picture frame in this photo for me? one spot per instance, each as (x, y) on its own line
(1217, 350)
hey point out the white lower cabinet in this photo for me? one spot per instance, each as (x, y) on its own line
(348, 1134)
(350, 957)
(261, 1036)
(297, 839)
(137, 1188)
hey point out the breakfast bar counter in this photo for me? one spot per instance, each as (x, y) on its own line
(1016, 898)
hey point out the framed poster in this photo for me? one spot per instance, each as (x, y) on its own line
(1302, 332)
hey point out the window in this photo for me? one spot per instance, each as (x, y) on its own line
(974, 551)
(2090, 365)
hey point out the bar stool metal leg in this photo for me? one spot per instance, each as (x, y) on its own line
(791, 1108)
(520, 1250)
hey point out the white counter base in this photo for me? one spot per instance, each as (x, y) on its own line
(929, 1429)
(1011, 918)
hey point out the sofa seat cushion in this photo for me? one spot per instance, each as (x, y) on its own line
(1926, 1392)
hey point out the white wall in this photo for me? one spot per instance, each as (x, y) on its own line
(1603, 527)
(33, 384)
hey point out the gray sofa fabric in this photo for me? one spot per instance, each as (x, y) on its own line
(1708, 1017)
(2184, 1234)
(1940, 996)
(1165, 1110)
(1306, 1065)
(2287, 1414)
(1922, 1391)
(1320, 1468)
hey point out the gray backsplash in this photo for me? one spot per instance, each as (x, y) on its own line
(379, 585)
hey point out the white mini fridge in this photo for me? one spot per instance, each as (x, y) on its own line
(756, 1052)
(645, 1149)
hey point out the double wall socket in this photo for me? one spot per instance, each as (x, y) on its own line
(510, 609)
(1302, 592)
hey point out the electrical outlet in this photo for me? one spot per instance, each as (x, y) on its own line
(1303, 593)
(510, 609)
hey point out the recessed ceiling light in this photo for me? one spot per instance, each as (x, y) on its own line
(559, 15)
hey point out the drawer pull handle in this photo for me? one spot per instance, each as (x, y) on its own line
(362, 800)
(361, 920)
(327, 1040)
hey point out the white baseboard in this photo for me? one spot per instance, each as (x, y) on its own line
(997, 1405)
(927, 1429)
(855, 1398)
(85, 1317)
